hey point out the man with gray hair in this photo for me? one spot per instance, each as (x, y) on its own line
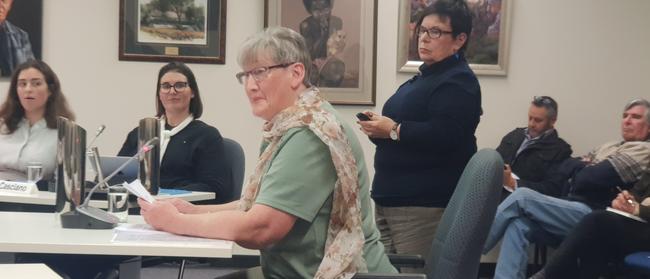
(590, 183)
(529, 153)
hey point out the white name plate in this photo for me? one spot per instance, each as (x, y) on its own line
(14, 187)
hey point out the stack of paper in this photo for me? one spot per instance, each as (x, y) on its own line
(145, 234)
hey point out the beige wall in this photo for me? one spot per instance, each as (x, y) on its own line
(591, 55)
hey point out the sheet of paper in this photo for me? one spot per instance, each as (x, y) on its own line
(146, 235)
(513, 175)
(628, 215)
(138, 190)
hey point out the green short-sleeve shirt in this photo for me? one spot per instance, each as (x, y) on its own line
(300, 181)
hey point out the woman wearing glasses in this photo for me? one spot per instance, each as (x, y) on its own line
(425, 135)
(306, 206)
(191, 151)
(28, 120)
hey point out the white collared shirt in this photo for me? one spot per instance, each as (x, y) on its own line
(27, 144)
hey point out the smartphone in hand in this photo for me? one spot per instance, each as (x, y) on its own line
(362, 116)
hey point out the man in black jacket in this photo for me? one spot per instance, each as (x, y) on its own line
(589, 183)
(529, 153)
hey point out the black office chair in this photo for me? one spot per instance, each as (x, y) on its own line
(456, 248)
(234, 155)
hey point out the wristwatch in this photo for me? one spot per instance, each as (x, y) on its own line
(393, 132)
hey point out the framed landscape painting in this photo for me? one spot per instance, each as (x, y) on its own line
(341, 38)
(192, 31)
(487, 50)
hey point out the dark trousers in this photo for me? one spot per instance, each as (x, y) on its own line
(600, 238)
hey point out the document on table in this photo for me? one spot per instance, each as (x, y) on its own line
(146, 235)
(628, 215)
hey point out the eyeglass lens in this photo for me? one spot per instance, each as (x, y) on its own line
(178, 86)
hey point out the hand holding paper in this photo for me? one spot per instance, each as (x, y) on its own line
(138, 190)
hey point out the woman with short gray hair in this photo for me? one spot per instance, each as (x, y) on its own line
(307, 204)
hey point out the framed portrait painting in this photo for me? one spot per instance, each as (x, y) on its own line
(22, 21)
(487, 49)
(192, 31)
(341, 38)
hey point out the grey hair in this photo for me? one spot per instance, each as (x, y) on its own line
(640, 102)
(281, 44)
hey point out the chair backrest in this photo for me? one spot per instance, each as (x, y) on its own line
(234, 155)
(459, 239)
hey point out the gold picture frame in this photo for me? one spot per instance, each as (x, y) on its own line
(191, 33)
(343, 61)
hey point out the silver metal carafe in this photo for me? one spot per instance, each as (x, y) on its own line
(149, 172)
(70, 170)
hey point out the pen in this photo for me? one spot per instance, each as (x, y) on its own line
(630, 201)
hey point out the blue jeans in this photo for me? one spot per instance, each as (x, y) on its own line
(523, 211)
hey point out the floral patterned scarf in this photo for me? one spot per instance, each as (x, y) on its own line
(345, 239)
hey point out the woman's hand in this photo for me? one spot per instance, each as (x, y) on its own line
(160, 215)
(377, 127)
(625, 202)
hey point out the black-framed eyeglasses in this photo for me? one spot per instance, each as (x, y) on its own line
(259, 73)
(543, 100)
(166, 87)
(433, 33)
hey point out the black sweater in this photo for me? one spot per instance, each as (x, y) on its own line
(534, 162)
(439, 111)
(193, 160)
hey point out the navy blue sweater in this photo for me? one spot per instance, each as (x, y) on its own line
(439, 111)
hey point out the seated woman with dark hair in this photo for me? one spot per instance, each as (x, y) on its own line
(28, 119)
(191, 151)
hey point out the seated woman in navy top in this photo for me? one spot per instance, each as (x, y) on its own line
(191, 151)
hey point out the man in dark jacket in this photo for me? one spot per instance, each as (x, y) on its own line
(590, 183)
(529, 153)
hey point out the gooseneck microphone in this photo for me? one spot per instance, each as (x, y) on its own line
(146, 147)
(98, 132)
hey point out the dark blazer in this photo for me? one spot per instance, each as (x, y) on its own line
(534, 162)
(439, 111)
(193, 160)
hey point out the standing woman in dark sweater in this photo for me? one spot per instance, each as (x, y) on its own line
(426, 133)
(191, 151)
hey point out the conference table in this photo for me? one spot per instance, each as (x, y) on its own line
(27, 271)
(28, 232)
(49, 198)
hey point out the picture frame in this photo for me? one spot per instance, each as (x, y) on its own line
(487, 51)
(341, 37)
(190, 31)
(27, 16)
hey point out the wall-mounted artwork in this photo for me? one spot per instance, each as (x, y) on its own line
(487, 51)
(341, 38)
(21, 32)
(191, 31)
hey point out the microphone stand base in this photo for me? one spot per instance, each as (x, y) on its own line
(75, 220)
